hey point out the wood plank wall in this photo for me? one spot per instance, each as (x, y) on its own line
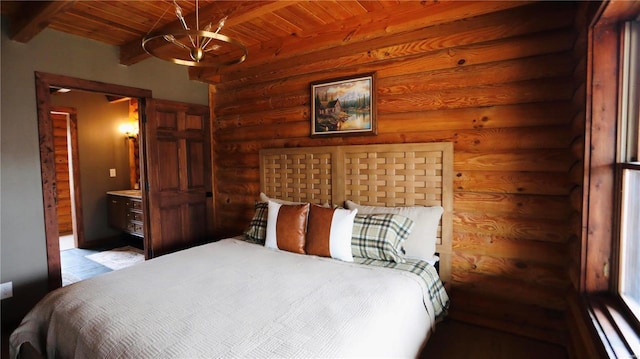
(134, 147)
(502, 87)
(63, 188)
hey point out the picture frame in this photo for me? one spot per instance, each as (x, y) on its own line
(344, 106)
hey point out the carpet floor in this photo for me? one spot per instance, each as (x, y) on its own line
(118, 258)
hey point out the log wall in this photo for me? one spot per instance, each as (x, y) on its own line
(63, 188)
(502, 87)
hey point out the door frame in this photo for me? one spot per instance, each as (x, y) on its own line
(44, 82)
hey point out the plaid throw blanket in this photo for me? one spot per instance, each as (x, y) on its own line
(432, 289)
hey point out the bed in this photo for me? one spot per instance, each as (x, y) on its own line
(243, 297)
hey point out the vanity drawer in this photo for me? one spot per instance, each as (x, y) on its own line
(135, 216)
(135, 204)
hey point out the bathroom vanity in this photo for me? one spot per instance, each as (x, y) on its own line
(125, 211)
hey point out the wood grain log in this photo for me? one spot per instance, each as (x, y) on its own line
(537, 67)
(295, 112)
(545, 160)
(512, 182)
(531, 206)
(518, 115)
(513, 115)
(530, 272)
(467, 140)
(480, 96)
(522, 228)
(519, 69)
(510, 248)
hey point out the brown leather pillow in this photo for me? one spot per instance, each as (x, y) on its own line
(319, 233)
(287, 227)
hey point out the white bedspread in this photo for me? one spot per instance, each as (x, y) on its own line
(232, 299)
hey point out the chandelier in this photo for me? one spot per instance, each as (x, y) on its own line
(195, 47)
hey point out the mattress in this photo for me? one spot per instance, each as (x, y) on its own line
(236, 299)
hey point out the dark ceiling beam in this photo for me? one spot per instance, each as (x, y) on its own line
(33, 17)
(238, 12)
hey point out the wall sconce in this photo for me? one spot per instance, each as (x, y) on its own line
(130, 129)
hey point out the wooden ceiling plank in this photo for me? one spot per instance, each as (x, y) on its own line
(323, 12)
(252, 33)
(91, 28)
(249, 33)
(131, 19)
(35, 17)
(353, 7)
(256, 9)
(119, 12)
(307, 18)
(291, 16)
(387, 4)
(372, 6)
(338, 12)
(277, 21)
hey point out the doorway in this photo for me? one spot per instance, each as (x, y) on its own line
(82, 184)
(175, 150)
(44, 85)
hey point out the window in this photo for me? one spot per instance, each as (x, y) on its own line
(628, 286)
(610, 256)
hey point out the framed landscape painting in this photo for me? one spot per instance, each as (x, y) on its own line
(344, 106)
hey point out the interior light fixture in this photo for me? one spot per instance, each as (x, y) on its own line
(130, 129)
(195, 47)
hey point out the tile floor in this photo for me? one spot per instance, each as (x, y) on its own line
(75, 267)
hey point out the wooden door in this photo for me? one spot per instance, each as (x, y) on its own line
(177, 144)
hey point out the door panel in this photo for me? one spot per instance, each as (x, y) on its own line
(196, 156)
(178, 150)
(168, 164)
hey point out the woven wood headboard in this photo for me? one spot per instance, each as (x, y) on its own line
(393, 175)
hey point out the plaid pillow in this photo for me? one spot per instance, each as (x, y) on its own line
(380, 236)
(257, 230)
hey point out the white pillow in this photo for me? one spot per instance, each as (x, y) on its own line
(422, 241)
(329, 232)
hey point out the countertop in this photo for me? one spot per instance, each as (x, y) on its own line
(133, 193)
